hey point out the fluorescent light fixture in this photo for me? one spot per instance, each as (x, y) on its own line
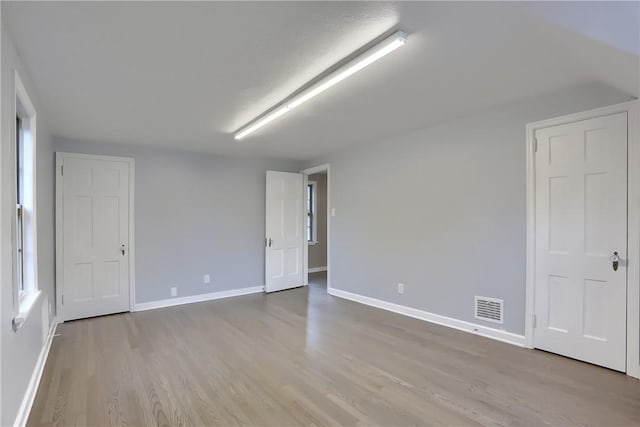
(381, 49)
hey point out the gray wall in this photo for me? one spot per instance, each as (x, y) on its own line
(20, 350)
(318, 252)
(443, 209)
(195, 214)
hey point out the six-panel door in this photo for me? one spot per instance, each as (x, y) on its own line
(284, 240)
(95, 237)
(581, 225)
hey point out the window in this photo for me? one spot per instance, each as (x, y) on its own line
(311, 212)
(20, 208)
(24, 236)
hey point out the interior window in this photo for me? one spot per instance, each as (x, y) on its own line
(25, 268)
(20, 207)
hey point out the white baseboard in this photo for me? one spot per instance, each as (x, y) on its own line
(462, 325)
(32, 388)
(197, 298)
(317, 269)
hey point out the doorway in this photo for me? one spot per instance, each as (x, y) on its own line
(94, 235)
(317, 227)
(582, 235)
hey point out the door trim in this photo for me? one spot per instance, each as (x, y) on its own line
(633, 224)
(306, 173)
(59, 285)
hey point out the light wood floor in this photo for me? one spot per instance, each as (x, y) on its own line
(301, 357)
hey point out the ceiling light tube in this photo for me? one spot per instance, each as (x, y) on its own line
(257, 124)
(381, 49)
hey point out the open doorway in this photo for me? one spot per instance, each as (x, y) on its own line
(317, 227)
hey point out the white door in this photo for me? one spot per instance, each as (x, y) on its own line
(95, 233)
(284, 240)
(581, 227)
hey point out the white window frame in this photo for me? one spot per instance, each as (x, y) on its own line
(26, 298)
(314, 211)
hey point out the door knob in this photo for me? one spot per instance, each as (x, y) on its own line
(122, 249)
(268, 242)
(615, 259)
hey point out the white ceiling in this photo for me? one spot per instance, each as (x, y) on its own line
(186, 75)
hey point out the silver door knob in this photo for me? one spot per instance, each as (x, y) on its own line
(615, 260)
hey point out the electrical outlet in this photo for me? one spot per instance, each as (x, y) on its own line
(207, 278)
(174, 292)
(401, 288)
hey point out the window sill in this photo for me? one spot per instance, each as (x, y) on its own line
(26, 304)
(312, 242)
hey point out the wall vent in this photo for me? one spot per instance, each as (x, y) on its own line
(489, 309)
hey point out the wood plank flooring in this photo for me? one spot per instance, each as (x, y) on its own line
(303, 358)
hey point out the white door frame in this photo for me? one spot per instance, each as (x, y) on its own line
(60, 156)
(306, 173)
(633, 224)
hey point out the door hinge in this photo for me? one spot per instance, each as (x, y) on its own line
(62, 299)
(534, 320)
(535, 145)
(62, 170)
